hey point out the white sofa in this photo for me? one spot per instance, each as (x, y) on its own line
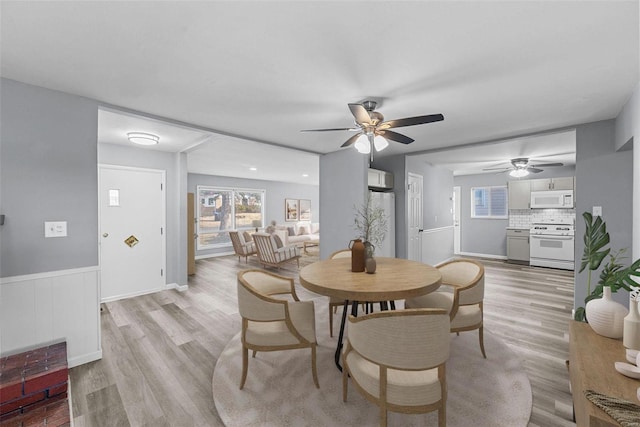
(298, 233)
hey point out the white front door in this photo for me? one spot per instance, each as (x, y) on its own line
(132, 231)
(456, 220)
(414, 200)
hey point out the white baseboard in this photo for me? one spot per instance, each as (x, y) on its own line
(85, 358)
(179, 288)
(492, 256)
(132, 294)
(214, 255)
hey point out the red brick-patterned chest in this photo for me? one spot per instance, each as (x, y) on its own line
(33, 387)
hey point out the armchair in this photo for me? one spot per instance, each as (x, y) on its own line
(240, 246)
(270, 323)
(270, 254)
(397, 360)
(463, 300)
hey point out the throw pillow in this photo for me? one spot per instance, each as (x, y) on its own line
(278, 241)
(247, 237)
(291, 231)
(302, 231)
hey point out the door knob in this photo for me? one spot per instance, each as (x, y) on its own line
(105, 235)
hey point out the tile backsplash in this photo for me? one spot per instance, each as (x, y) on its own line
(523, 218)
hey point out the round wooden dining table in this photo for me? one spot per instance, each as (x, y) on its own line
(394, 279)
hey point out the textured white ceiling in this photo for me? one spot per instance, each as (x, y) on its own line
(265, 70)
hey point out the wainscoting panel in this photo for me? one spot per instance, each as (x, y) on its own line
(37, 309)
(437, 245)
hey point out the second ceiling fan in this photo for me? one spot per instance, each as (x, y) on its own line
(521, 167)
(373, 131)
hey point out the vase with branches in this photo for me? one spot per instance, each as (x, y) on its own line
(370, 222)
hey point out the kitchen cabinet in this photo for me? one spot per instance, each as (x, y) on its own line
(563, 183)
(380, 179)
(518, 245)
(519, 194)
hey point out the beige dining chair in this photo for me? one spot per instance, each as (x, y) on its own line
(273, 324)
(396, 359)
(461, 294)
(334, 302)
(240, 246)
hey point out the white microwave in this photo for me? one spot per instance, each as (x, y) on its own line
(559, 199)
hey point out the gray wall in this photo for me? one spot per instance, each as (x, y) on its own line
(478, 235)
(343, 186)
(397, 166)
(438, 193)
(603, 178)
(276, 192)
(48, 172)
(175, 166)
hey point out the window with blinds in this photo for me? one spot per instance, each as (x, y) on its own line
(489, 202)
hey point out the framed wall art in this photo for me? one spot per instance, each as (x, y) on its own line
(305, 210)
(291, 211)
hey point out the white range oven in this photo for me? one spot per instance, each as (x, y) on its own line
(551, 245)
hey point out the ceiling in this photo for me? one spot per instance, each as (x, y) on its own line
(262, 71)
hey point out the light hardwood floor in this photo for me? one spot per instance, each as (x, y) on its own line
(159, 350)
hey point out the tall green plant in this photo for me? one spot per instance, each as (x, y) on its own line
(614, 274)
(596, 238)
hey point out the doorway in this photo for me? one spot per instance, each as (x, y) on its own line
(456, 220)
(132, 231)
(414, 209)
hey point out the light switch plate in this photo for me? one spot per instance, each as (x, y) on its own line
(55, 228)
(597, 211)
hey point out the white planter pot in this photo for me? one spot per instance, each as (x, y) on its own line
(606, 316)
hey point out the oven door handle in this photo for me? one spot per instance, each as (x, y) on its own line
(537, 236)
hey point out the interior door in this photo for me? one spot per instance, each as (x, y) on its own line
(191, 235)
(414, 201)
(132, 231)
(456, 220)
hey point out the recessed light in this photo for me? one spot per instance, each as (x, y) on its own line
(143, 138)
(305, 175)
(253, 169)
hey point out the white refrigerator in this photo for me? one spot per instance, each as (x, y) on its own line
(387, 201)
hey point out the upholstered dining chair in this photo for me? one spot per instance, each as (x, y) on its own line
(270, 323)
(334, 302)
(396, 359)
(269, 254)
(241, 246)
(461, 294)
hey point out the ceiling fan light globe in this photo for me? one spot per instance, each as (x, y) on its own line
(380, 143)
(362, 144)
(519, 173)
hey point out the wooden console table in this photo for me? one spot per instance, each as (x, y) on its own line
(591, 359)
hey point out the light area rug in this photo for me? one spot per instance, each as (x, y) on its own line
(279, 390)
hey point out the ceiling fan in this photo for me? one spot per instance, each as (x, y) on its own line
(521, 167)
(373, 131)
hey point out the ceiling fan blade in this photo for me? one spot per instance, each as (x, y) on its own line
(497, 169)
(360, 113)
(327, 130)
(395, 136)
(546, 165)
(411, 121)
(534, 170)
(351, 140)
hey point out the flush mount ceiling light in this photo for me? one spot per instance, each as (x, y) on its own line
(142, 138)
